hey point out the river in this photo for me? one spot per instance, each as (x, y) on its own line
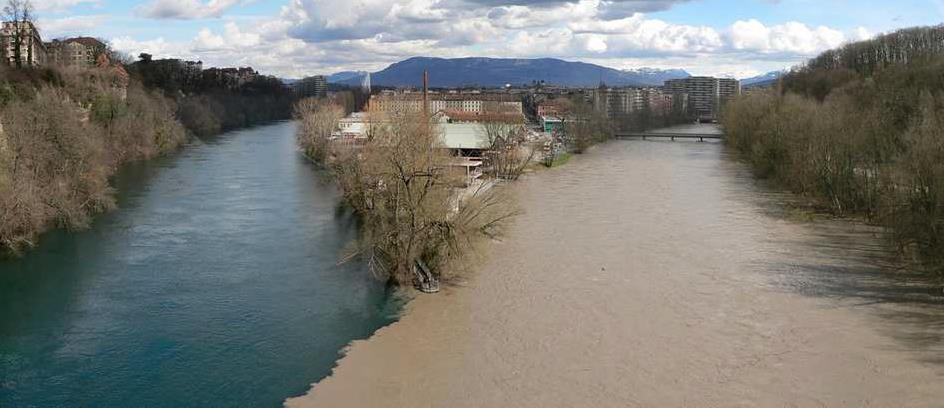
(659, 273)
(215, 283)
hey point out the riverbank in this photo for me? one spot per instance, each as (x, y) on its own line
(676, 284)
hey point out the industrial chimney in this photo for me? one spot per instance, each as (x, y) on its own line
(425, 93)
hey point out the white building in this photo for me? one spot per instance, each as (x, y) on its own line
(32, 50)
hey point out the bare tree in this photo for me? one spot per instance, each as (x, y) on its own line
(407, 201)
(399, 184)
(318, 118)
(586, 127)
(507, 155)
(19, 14)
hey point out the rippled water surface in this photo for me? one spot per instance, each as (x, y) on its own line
(214, 284)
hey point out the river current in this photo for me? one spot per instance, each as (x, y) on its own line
(215, 283)
(659, 273)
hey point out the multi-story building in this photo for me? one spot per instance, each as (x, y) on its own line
(705, 94)
(616, 102)
(412, 102)
(313, 86)
(75, 52)
(230, 77)
(32, 50)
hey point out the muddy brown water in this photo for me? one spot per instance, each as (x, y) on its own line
(657, 273)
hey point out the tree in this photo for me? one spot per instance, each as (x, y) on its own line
(507, 156)
(318, 118)
(19, 14)
(398, 183)
(587, 126)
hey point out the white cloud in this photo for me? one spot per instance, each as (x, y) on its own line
(69, 26)
(862, 34)
(158, 47)
(61, 5)
(232, 39)
(791, 37)
(185, 9)
(322, 36)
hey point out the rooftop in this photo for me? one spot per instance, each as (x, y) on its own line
(464, 136)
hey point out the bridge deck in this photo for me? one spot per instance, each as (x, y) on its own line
(673, 136)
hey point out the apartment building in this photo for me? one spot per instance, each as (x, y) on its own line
(412, 102)
(616, 102)
(32, 50)
(705, 95)
(75, 52)
(313, 86)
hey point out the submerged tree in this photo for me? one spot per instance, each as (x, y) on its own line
(400, 184)
(508, 154)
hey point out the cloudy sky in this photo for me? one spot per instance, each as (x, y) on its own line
(295, 38)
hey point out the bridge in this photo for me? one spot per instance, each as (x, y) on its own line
(700, 132)
(673, 136)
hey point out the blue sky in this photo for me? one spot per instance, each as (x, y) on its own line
(294, 38)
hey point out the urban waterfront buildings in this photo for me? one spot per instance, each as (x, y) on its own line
(471, 102)
(617, 102)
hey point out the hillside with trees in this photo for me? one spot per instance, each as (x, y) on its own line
(217, 99)
(858, 130)
(64, 132)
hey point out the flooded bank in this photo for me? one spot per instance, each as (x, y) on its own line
(658, 273)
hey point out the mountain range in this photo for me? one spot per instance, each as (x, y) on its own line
(761, 81)
(496, 72)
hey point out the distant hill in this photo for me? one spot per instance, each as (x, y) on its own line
(761, 81)
(347, 76)
(495, 72)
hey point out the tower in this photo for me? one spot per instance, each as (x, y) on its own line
(425, 93)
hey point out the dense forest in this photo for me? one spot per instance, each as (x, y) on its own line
(64, 132)
(860, 131)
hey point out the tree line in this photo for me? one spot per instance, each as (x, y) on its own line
(859, 131)
(210, 101)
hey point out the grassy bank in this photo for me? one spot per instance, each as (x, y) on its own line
(859, 131)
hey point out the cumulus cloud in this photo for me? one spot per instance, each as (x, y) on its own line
(185, 9)
(232, 38)
(69, 26)
(321, 36)
(792, 37)
(157, 46)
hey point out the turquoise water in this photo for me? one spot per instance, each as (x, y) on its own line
(215, 283)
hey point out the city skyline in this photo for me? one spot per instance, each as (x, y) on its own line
(303, 37)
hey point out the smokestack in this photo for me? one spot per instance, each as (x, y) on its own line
(425, 93)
